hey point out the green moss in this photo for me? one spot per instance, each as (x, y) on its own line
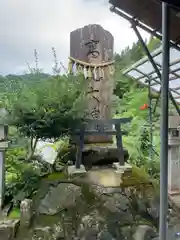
(138, 177)
(87, 194)
(55, 176)
(14, 214)
(46, 220)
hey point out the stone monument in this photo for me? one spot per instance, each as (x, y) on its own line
(91, 53)
(174, 155)
(3, 147)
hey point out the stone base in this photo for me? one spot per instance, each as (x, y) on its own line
(72, 170)
(107, 177)
(174, 192)
(97, 155)
(121, 169)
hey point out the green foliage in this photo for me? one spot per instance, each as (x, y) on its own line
(21, 178)
(132, 97)
(15, 213)
(153, 43)
(50, 110)
(137, 142)
(41, 106)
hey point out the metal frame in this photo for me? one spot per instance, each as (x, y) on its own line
(150, 120)
(101, 131)
(165, 94)
(133, 19)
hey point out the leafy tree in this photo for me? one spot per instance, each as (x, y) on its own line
(50, 110)
(133, 96)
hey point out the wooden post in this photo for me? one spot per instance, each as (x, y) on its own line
(91, 51)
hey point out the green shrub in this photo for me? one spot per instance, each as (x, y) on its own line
(22, 178)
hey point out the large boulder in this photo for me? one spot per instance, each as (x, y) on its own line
(59, 198)
(90, 211)
(144, 232)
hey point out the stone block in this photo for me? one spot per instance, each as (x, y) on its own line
(26, 212)
(174, 122)
(174, 170)
(4, 145)
(8, 229)
(105, 177)
(44, 233)
(73, 171)
(121, 169)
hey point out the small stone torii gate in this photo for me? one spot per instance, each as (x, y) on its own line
(91, 54)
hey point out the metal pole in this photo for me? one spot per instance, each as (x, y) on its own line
(150, 121)
(154, 64)
(156, 103)
(164, 124)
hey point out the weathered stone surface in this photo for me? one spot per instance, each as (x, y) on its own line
(58, 198)
(144, 232)
(93, 45)
(73, 171)
(8, 229)
(26, 212)
(154, 207)
(90, 234)
(105, 235)
(101, 156)
(107, 177)
(95, 212)
(5, 211)
(58, 232)
(121, 169)
(42, 233)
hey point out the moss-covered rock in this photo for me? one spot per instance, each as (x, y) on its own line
(72, 208)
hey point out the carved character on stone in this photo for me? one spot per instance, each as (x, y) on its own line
(91, 47)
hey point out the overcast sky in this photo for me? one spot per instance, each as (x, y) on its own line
(26, 25)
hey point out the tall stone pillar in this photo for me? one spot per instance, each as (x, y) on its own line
(3, 147)
(91, 52)
(174, 155)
